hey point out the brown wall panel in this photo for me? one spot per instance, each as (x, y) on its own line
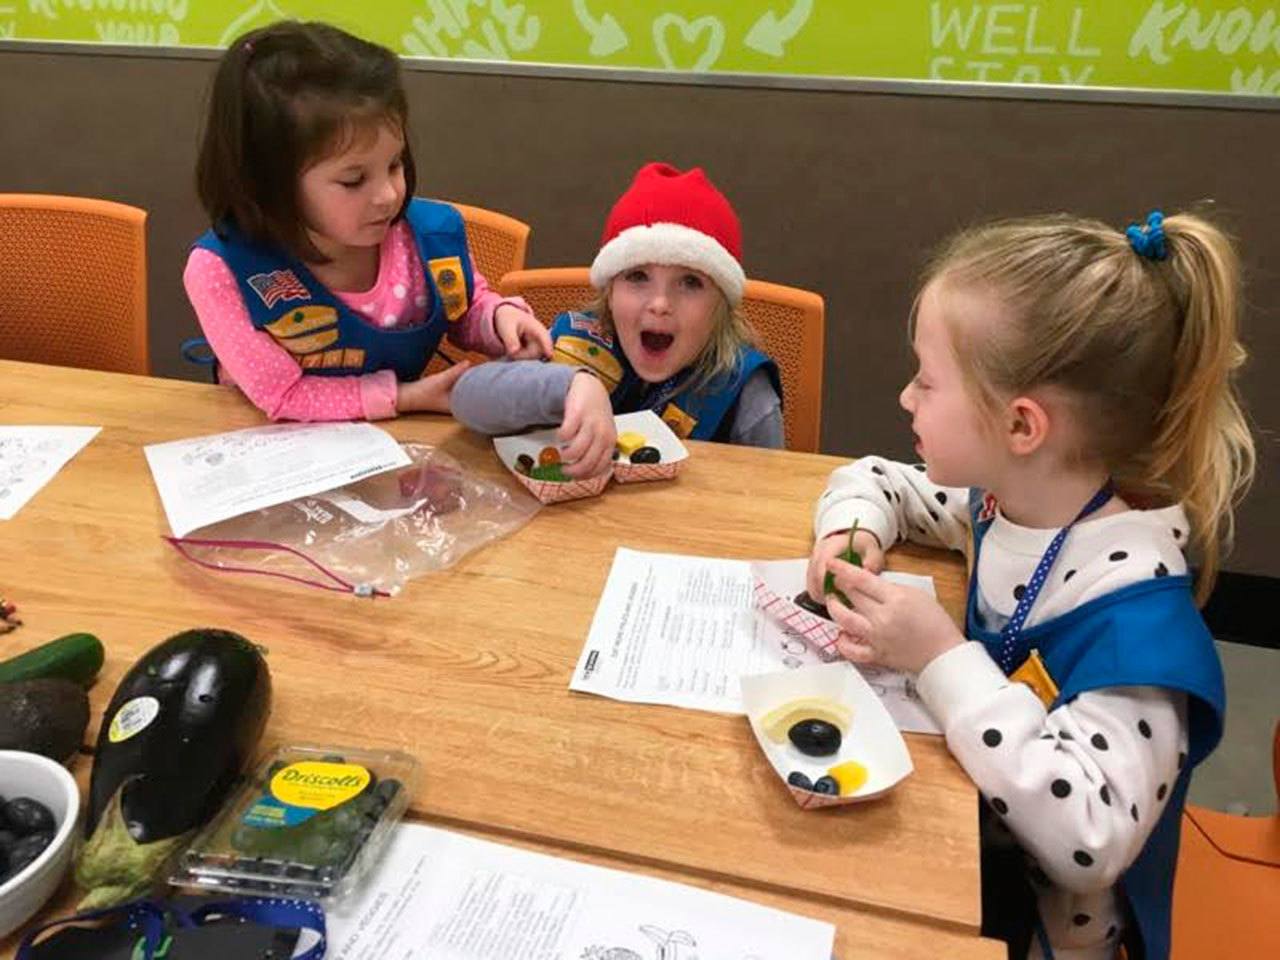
(840, 192)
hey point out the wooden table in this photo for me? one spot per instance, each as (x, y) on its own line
(469, 669)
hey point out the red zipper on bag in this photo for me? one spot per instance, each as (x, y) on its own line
(342, 586)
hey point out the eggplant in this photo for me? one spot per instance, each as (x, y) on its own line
(180, 730)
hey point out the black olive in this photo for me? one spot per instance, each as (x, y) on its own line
(7, 839)
(827, 785)
(806, 602)
(798, 779)
(646, 455)
(524, 463)
(26, 816)
(815, 738)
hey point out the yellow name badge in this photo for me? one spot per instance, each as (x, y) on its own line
(681, 423)
(452, 285)
(1035, 675)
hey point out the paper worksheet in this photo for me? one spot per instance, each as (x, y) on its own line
(206, 479)
(681, 630)
(31, 456)
(436, 895)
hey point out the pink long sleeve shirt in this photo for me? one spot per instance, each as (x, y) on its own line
(252, 360)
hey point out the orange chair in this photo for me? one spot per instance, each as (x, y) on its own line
(73, 282)
(1226, 897)
(498, 245)
(790, 323)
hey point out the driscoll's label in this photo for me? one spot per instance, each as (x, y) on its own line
(301, 790)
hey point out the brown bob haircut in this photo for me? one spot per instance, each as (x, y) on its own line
(285, 97)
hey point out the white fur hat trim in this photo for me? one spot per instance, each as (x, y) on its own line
(672, 244)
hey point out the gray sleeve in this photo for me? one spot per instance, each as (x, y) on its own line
(506, 396)
(758, 422)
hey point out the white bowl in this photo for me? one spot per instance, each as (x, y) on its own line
(37, 777)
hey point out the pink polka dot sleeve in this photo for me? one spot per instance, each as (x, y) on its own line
(266, 372)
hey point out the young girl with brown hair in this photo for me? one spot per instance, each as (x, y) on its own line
(324, 285)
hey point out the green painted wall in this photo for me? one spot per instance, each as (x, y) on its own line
(1143, 44)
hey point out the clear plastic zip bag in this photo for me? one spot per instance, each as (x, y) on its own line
(371, 536)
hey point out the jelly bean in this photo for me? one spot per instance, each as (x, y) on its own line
(552, 472)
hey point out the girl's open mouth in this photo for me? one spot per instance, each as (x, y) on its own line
(656, 342)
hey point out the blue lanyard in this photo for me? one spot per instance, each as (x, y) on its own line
(150, 918)
(1013, 649)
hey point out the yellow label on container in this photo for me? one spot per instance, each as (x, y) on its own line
(319, 785)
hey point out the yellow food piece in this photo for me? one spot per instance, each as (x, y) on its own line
(851, 775)
(629, 442)
(780, 719)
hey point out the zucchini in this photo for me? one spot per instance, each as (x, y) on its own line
(76, 657)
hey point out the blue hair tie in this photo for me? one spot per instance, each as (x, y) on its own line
(1148, 241)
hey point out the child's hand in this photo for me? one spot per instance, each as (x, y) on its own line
(430, 393)
(864, 541)
(521, 333)
(588, 428)
(890, 624)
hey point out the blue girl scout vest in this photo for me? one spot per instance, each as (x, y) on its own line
(699, 414)
(323, 334)
(1146, 634)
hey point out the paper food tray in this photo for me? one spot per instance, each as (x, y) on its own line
(871, 738)
(648, 424)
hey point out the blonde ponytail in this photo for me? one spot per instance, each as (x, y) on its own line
(1203, 450)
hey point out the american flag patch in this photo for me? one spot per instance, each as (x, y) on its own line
(278, 285)
(589, 324)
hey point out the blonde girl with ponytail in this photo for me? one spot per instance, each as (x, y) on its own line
(1076, 413)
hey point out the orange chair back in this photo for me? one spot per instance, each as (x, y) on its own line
(498, 243)
(73, 282)
(1227, 885)
(550, 291)
(790, 324)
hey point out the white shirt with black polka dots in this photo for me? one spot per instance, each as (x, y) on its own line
(1079, 788)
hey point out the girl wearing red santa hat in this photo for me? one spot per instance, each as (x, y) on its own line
(664, 334)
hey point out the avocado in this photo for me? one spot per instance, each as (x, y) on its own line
(45, 716)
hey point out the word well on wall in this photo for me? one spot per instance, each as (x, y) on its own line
(1206, 46)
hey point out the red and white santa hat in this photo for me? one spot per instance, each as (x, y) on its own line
(672, 217)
